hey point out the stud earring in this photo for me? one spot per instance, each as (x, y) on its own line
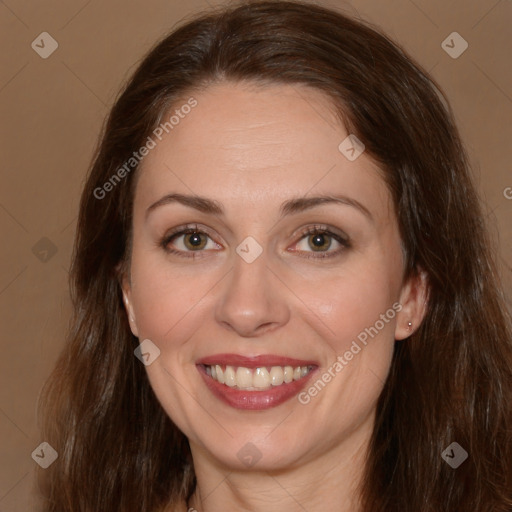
(409, 325)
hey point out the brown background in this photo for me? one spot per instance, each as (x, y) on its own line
(52, 110)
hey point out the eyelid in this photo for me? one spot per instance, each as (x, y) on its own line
(183, 230)
(302, 233)
(322, 229)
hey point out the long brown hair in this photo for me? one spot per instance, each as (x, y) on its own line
(451, 381)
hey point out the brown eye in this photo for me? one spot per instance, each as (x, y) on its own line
(195, 240)
(319, 241)
(188, 241)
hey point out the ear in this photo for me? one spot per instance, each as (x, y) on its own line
(126, 288)
(413, 299)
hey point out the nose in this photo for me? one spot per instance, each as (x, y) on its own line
(253, 300)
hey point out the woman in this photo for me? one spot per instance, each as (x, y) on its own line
(285, 297)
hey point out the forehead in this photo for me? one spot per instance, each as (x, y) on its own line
(246, 143)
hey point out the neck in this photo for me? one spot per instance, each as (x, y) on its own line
(328, 482)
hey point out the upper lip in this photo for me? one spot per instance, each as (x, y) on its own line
(254, 361)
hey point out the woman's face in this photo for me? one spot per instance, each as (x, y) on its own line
(259, 284)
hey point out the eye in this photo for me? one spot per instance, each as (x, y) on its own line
(188, 239)
(320, 239)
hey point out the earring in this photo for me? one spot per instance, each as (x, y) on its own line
(409, 326)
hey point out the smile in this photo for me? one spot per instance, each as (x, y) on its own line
(256, 379)
(255, 383)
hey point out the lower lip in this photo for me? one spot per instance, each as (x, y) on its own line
(254, 400)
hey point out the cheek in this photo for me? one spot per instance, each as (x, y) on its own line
(171, 300)
(351, 300)
(163, 297)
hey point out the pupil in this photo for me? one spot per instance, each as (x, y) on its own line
(319, 241)
(195, 239)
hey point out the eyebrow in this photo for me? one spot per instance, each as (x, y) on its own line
(289, 207)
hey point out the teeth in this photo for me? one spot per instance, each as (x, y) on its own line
(258, 378)
(277, 376)
(288, 374)
(261, 378)
(229, 377)
(220, 374)
(244, 377)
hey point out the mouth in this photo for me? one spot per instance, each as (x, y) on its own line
(255, 383)
(256, 379)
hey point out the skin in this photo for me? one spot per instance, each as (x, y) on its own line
(251, 148)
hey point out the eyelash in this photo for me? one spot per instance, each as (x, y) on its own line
(313, 230)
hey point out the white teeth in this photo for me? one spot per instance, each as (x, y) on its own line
(229, 377)
(243, 377)
(258, 378)
(288, 374)
(277, 375)
(261, 378)
(220, 374)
